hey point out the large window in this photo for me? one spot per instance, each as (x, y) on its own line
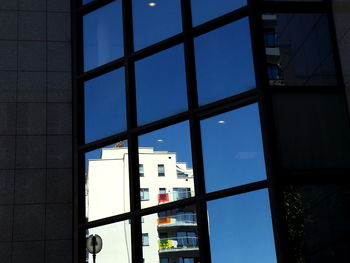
(182, 85)
(181, 193)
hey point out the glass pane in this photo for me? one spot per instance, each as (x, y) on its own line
(87, 1)
(224, 62)
(318, 222)
(241, 229)
(232, 149)
(105, 112)
(166, 158)
(107, 181)
(173, 236)
(154, 21)
(312, 130)
(298, 50)
(116, 243)
(103, 35)
(292, 0)
(161, 85)
(204, 10)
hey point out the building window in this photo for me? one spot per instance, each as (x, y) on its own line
(181, 193)
(186, 260)
(145, 239)
(186, 239)
(273, 72)
(144, 194)
(161, 171)
(141, 171)
(162, 190)
(270, 38)
(162, 214)
(186, 217)
(164, 260)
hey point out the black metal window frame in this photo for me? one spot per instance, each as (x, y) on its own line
(195, 113)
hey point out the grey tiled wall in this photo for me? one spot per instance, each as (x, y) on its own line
(35, 132)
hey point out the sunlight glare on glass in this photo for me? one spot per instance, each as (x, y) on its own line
(221, 122)
(160, 140)
(152, 4)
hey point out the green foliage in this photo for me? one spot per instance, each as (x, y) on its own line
(295, 221)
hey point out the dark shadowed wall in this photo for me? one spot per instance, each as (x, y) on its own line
(35, 131)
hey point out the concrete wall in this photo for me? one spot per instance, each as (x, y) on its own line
(35, 131)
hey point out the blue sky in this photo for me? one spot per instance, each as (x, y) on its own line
(240, 226)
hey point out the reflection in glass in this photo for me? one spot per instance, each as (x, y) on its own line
(154, 21)
(292, 0)
(116, 243)
(173, 236)
(103, 35)
(241, 229)
(318, 222)
(107, 181)
(166, 158)
(298, 50)
(105, 112)
(224, 62)
(205, 10)
(87, 1)
(161, 85)
(232, 149)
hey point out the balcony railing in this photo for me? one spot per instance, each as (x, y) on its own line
(178, 195)
(162, 198)
(179, 219)
(184, 175)
(177, 243)
(174, 196)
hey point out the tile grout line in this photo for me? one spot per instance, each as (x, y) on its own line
(15, 139)
(46, 127)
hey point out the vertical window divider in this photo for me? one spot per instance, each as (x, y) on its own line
(196, 144)
(78, 192)
(255, 9)
(335, 51)
(336, 54)
(136, 231)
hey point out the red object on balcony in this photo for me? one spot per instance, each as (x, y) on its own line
(163, 198)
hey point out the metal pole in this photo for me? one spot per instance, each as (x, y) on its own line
(94, 249)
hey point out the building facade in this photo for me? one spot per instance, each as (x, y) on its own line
(168, 236)
(36, 165)
(254, 94)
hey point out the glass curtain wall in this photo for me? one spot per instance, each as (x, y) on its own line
(170, 147)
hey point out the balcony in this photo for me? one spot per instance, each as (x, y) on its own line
(183, 175)
(176, 244)
(180, 193)
(174, 196)
(186, 219)
(163, 198)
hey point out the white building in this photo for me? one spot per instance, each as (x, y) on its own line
(168, 237)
